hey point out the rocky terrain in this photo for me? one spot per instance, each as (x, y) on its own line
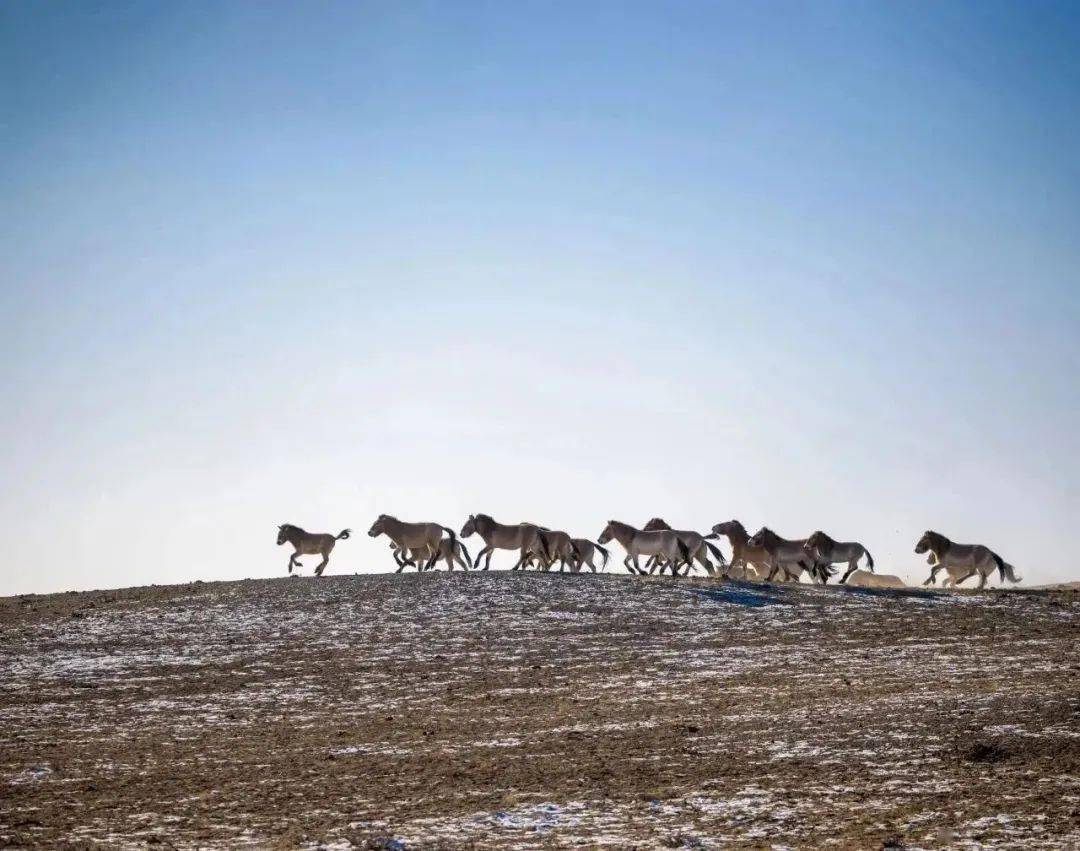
(506, 710)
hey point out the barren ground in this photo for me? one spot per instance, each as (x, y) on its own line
(538, 711)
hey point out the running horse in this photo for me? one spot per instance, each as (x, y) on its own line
(638, 542)
(422, 538)
(824, 550)
(695, 542)
(309, 543)
(962, 561)
(743, 556)
(527, 538)
(788, 555)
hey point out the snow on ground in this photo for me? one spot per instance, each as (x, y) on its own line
(519, 710)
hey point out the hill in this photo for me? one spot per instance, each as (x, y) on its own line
(521, 710)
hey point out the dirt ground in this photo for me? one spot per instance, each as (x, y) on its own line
(507, 710)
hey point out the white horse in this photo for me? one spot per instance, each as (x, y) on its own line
(962, 561)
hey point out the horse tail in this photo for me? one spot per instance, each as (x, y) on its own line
(343, 534)
(684, 550)
(604, 553)
(715, 550)
(465, 552)
(1007, 570)
(869, 559)
(453, 539)
(545, 544)
(822, 571)
(1000, 562)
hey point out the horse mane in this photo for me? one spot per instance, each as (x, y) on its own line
(768, 536)
(738, 529)
(483, 523)
(938, 541)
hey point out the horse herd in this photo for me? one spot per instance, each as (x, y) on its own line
(761, 556)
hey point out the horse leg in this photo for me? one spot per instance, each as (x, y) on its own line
(965, 577)
(626, 563)
(321, 566)
(292, 560)
(703, 560)
(853, 565)
(521, 561)
(480, 555)
(982, 580)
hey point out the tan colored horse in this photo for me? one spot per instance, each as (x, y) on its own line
(694, 541)
(787, 555)
(865, 579)
(825, 550)
(557, 545)
(421, 537)
(743, 556)
(527, 538)
(309, 543)
(962, 561)
(638, 542)
(459, 555)
(586, 549)
(577, 552)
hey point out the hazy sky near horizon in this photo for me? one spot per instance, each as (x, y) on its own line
(810, 265)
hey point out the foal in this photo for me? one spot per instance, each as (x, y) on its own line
(586, 550)
(457, 554)
(308, 543)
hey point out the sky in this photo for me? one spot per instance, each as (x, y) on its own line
(807, 265)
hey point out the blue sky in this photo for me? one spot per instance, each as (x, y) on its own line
(807, 265)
